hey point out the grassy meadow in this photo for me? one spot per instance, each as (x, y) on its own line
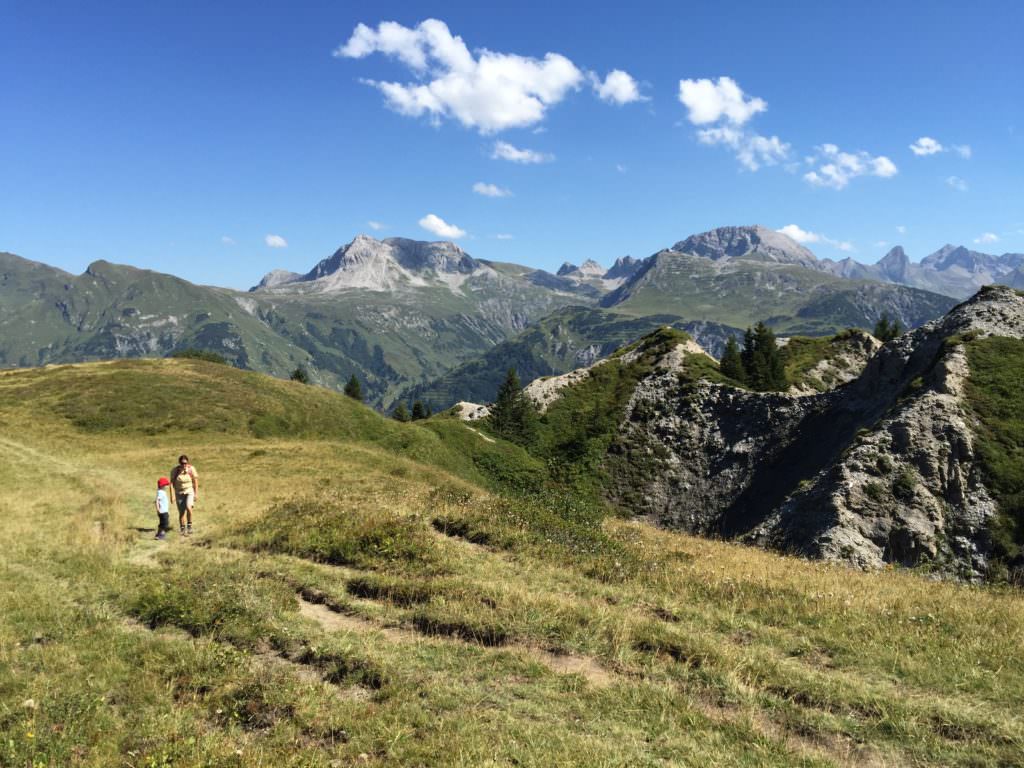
(364, 592)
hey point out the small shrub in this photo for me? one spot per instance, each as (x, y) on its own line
(903, 484)
(874, 490)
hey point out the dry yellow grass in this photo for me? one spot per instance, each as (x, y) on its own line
(715, 654)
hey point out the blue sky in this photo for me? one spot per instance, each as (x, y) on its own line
(217, 141)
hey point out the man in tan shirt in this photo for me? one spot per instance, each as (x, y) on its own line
(185, 483)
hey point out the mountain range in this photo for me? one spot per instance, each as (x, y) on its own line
(400, 313)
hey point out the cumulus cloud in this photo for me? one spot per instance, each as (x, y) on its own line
(618, 87)
(804, 236)
(836, 168)
(926, 146)
(956, 183)
(724, 108)
(901, 229)
(505, 151)
(490, 190)
(709, 102)
(376, 225)
(275, 241)
(227, 240)
(488, 91)
(441, 228)
(987, 237)
(752, 150)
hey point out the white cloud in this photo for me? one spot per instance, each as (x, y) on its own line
(503, 237)
(881, 243)
(227, 240)
(621, 168)
(752, 150)
(505, 151)
(901, 229)
(725, 104)
(489, 91)
(957, 183)
(709, 102)
(441, 228)
(800, 235)
(804, 236)
(987, 237)
(490, 190)
(376, 225)
(618, 88)
(926, 146)
(275, 241)
(836, 168)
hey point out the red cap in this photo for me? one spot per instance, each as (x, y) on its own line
(162, 482)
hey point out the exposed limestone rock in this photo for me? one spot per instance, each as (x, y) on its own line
(882, 470)
(543, 392)
(471, 411)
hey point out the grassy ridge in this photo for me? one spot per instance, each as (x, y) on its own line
(453, 614)
(169, 399)
(995, 393)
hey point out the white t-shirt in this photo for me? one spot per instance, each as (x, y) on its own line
(162, 504)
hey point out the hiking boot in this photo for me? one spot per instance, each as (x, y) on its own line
(182, 530)
(160, 536)
(188, 532)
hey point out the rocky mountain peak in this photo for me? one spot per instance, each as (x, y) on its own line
(751, 242)
(382, 265)
(567, 268)
(895, 264)
(623, 268)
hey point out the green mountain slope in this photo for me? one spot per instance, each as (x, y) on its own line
(790, 298)
(570, 338)
(389, 339)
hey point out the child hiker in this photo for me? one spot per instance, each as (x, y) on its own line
(163, 508)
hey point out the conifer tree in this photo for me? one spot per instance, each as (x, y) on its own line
(731, 364)
(513, 415)
(418, 411)
(761, 360)
(401, 413)
(887, 330)
(353, 389)
(300, 375)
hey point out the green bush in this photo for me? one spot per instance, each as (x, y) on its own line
(903, 484)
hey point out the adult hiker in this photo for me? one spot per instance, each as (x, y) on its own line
(185, 483)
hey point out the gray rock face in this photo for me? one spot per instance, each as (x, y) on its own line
(383, 265)
(276, 277)
(623, 268)
(747, 242)
(952, 270)
(879, 470)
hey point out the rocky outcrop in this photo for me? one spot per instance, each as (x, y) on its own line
(752, 242)
(880, 470)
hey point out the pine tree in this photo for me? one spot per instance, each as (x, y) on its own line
(747, 355)
(731, 364)
(761, 360)
(353, 389)
(418, 411)
(887, 330)
(300, 375)
(513, 415)
(401, 413)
